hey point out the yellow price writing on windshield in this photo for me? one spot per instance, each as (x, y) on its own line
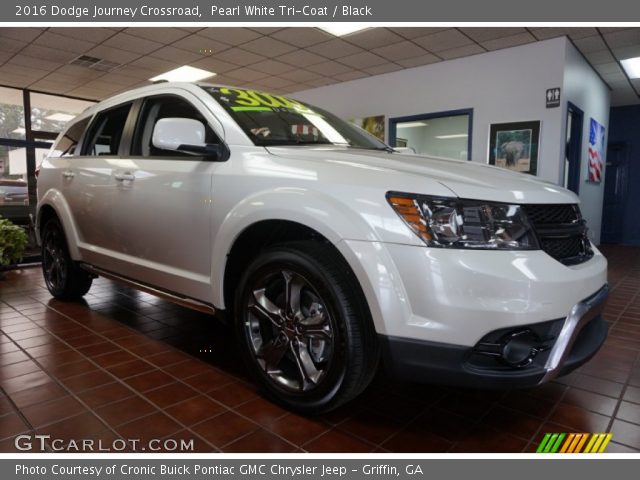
(253, 98)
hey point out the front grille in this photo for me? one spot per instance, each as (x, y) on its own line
(561, 232)
(562, 248)
(550, 214)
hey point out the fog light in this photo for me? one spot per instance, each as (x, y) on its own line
(521, 347)
(516, 349)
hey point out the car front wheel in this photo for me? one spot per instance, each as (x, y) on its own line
(305, 327)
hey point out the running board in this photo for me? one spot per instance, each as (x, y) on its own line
(171, 297)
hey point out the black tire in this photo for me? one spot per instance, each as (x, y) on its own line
(331, 352)
(65, 280)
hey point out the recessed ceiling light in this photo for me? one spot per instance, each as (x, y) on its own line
(457, 135)
(183, 74)
(19, 130)
(632, 67)
(342, 29)
(60, 117)
(412, 125)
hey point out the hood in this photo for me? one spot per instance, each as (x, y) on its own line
(466, 179)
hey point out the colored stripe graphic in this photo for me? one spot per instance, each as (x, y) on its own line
(550, 443)
(574, 443)
(605, 442)
(581, 443)
(593, 439)
(567, 444)
(599, 443)
(556, 445)
(543, 443)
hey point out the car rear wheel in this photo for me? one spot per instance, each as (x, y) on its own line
(305, 328)
(64, 278)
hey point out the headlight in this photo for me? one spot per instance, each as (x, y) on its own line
(457, 223)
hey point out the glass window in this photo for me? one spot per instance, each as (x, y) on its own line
(13, 176)
(106, 131)
(446, 137)
(11, 115)
(167, 106)
(66, 145)
(50, 113)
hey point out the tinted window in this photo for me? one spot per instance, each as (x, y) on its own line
(66, 145)
(105, 133)
(166, 106)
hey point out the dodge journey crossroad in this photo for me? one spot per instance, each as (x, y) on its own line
(327, 250)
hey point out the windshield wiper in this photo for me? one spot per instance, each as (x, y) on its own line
(378, 149)
(274, 143)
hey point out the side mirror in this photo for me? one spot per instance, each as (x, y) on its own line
(178, 133)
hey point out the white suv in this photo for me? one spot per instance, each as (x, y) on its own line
(327, 249)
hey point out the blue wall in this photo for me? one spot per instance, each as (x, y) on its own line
(624, 126)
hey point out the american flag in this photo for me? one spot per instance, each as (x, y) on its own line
(596, 151)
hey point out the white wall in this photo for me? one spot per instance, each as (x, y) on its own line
(585, 90)
(503, 86)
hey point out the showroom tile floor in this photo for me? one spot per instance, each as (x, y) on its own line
(129, 365)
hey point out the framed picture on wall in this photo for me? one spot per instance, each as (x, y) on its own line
(515, 146)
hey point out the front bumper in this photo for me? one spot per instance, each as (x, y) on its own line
(578, 337)
(457, 297)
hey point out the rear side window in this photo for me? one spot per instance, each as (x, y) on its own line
(66, 145)
(105, 133)
(165, 106)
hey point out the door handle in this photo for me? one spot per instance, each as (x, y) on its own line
(124, 177)
(68, 174)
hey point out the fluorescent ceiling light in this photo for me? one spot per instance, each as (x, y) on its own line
(342, 29)
(60, 117)
(183, 74)
(457, 135)
(19, 130)
(412, 125)
(632, 67)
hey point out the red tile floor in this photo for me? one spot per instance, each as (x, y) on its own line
(124, 364)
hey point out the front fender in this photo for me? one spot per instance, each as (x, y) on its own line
(54, 199)
(322, 213)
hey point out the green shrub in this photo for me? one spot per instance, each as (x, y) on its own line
(13, 240)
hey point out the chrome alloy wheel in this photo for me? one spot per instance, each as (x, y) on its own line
(290, 331)
(54, 260)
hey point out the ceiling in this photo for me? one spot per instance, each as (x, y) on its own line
(277, 59)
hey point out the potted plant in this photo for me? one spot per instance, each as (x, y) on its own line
(13, 240)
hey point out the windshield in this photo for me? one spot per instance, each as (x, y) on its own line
(276, 120)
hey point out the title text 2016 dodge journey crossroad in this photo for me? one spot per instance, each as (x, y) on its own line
(327, 249)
